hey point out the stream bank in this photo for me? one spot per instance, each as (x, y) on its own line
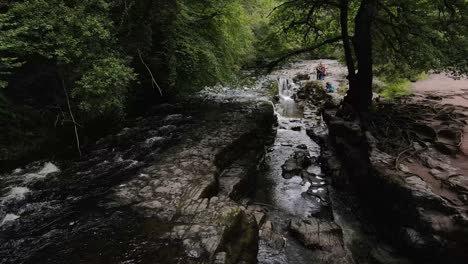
(230, 177)
(163, 190)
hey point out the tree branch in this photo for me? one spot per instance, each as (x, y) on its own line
(71, 116)
(153, 81)
(274, 63)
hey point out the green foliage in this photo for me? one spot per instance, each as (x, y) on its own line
(65, 31)
(409, 37)
(273, 88)
(210, 41)
(78, 36)
(419, 77)
(416, 36)
(396, 88)
(102, 88)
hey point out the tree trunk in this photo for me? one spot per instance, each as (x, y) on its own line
(360, 90)
(344, 5)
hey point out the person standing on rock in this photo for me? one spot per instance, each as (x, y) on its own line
(319, 71)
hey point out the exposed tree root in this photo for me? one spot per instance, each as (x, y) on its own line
(406, 129)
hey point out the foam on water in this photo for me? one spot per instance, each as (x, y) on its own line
(9, 218)
(16, 193)
(288, 106)
(47, 169)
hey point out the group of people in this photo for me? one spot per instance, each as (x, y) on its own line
(321, 73)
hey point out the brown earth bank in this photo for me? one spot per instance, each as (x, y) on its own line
(407, 165)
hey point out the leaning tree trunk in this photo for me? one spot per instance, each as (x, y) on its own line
(344, 5)
(360, 90)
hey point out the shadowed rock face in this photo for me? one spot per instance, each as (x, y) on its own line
(160, 191)
(407, 208)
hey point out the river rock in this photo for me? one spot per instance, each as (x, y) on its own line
(298, 161)
(324, 237)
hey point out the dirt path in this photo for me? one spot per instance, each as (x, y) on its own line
(451, 91)
(442, 90)
(445, 90)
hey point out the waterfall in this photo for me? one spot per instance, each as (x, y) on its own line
(285, 91)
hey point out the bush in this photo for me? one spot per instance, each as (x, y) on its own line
(395, 89)
(102, 89)
(419, 77)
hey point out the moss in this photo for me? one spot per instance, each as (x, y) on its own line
(244, 247)
(273, 88)
(240, 240)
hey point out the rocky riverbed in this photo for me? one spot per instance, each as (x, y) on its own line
(231, 176)
(163, 190)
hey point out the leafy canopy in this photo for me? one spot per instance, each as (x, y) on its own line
(75, 35)
(408, 36)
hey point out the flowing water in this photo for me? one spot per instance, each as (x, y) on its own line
(287, 107)
(286, 198)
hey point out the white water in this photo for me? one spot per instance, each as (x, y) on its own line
(15, 193)
(288, 107)
(47, 169)
(9, 218)
(16, 188)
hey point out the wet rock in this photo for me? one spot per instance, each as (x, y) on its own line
(317, 234)
(298, 161)
(334, 99)
(302, 146)
(318, 134)
(296, 128)
(322, 236)
(145, 195)
(272, 236)
(301, 77)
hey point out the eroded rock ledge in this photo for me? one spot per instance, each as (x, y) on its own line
(404, 207)
(164, 190)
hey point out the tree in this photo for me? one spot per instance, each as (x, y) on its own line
(190, 44)
(387, 35)
(78, 38)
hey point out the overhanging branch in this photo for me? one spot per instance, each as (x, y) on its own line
(274, 63)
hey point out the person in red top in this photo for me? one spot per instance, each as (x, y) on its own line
(321, 71)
